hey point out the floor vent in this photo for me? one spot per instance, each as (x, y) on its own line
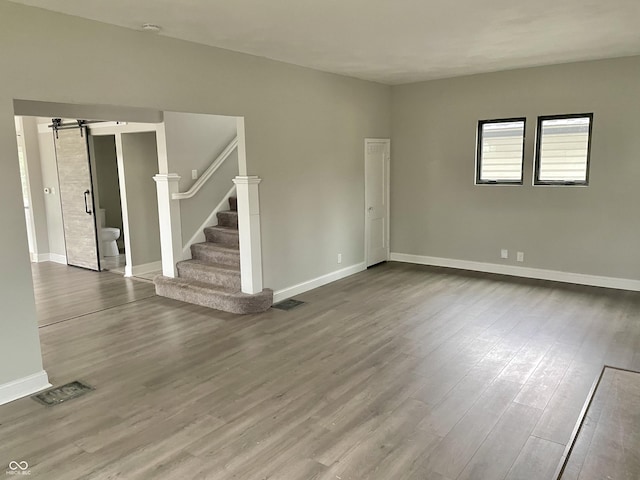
(288, 304)
(57, 395)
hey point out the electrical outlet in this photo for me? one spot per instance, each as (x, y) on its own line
(339, 258)
(504, 253)
(194, 174)
(520, 257)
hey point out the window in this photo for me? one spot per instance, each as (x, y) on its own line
(500, 151)
(563, 143)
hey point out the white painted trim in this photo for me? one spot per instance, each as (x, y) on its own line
(204, 178)
(242, 148)
(124, 204)
(198, 236)
(161, 145)
(142, 269)
(526, 272)
(57, 258)
(23, 386)
(50, 257)
(110, 128)
(169, 222)
(288, 292)
(248, 195)
(32, 239)
(387, 142)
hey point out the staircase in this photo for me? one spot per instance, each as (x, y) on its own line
(212, 277)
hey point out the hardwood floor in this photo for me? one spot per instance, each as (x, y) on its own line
(607, 444)
(64, 292)
(399, 372)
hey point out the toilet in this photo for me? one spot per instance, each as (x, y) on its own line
(108, 236)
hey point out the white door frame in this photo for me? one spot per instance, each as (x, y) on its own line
(116, 129)
(386, 141)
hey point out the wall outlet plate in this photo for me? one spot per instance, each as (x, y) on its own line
(504, 253)
(194, 174)
(520, 257)
(339, 258)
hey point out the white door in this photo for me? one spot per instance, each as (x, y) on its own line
(376, 193)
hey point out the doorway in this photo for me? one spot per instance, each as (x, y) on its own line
(108, 202)
(376, 172)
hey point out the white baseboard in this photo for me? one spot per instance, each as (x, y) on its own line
(211, 221)
(51, 257)
(526, 272)
(54, 257)
(288, 292)
(23, 386)
(142, 269)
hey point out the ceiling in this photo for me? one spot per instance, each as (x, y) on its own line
(388, 41)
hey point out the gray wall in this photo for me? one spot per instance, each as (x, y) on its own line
(305, 130)
(194, 141)
(106, 162)
(436, 210)
(52, 206)
(34, 168)
(140, 160)
(19, 342)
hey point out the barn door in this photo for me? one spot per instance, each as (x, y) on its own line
(76, 198)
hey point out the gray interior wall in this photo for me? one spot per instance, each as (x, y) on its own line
(436, 210)
(34, 169)
(305, 131)
(140, 158)
(194, 141)
(19, 342)
(53, 208)
(106, 162)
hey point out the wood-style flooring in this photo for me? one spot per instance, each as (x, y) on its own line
(67, 292)
(399, 372)
(607, 445)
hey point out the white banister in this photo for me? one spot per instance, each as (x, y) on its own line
(208, 173)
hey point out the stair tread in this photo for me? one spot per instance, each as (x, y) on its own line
(218, 246)
(219, 266)
(204, 285)
(222, 228)
(230, 212)
(215, 289)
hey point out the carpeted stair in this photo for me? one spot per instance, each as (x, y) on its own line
(212, 277)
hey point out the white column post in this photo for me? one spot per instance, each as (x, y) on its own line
(249, 228)
(170, 225)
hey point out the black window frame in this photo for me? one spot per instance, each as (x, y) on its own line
(536, 159)
(481, 124)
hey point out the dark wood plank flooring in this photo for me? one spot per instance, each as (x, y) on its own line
(400, 372)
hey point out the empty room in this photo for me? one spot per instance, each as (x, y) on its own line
(344, 240)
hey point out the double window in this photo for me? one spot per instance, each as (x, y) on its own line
(563, 145)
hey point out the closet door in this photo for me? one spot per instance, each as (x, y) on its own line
(76, 198)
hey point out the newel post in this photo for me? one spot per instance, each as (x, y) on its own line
(249, 229)
(170, 225)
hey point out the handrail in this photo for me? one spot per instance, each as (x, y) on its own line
(208, 173)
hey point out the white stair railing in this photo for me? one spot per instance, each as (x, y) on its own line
(208, 172)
